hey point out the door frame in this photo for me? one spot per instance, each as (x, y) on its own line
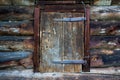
(55, 8)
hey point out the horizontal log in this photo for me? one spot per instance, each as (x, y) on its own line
(115, 2)
(16, 12)
(111, 13)
(102, 2)
(105, 42)
(105, 58)
(106, 2)
(105, 28)
(16, 28)
(15, 38)
(8, 64)
(26, 63)
(63, 8)
(5, 2)
(16, 45)
(13, 56)
(60, 2)
(23, 2)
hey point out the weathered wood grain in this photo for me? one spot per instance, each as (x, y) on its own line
(16, 13)
(65, 2)
(105, 42)
(105, 51)
(78, 41)
(15, 38)
(59, 42)
(50, 42)
(23, 2)
(68, 46)
(115, 2)
(105, 27)
(16, 28)
(16, 45)
(13, 56)
(25, 63)
(17, 2)
(8, 64)
(105, 58)
(5, 2)
(102, 2)
(103, 13)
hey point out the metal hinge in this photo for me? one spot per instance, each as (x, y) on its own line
(70, 62)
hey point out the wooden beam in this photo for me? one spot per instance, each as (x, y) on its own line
(86, 67)
(63, 8)
(36, 55)
(61, 2)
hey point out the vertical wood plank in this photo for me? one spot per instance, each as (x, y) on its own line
(36, 38)
(57, 31)
(86, 67)
(51, 42)
(79, 41)
(68, 52)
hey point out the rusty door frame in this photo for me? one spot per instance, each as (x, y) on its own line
(37, 49)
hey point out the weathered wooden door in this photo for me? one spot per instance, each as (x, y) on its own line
(62, 40)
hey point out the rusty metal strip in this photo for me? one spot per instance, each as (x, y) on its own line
(36, 55)
(86, 67)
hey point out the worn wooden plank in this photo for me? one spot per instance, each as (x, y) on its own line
(16, 28)
(105, 28)
(50, 42)
(16, 45)
(15, 38)
(58, 35)
(68, 50)
(23, 2)
(36, 56)
(16, 13)
(110, 13)
(86, 67)
(5, 2)
(78, 41)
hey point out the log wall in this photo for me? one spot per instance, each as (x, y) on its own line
(16, 34)
(105, 36)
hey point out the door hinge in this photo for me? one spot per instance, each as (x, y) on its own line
(70, 62)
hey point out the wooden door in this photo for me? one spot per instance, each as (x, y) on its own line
(61, 41)
(61, 45)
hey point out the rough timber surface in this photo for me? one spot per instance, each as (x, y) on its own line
(16, 13)
(95, 74)
(59, 42)
(103, 13)
(16, 28)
